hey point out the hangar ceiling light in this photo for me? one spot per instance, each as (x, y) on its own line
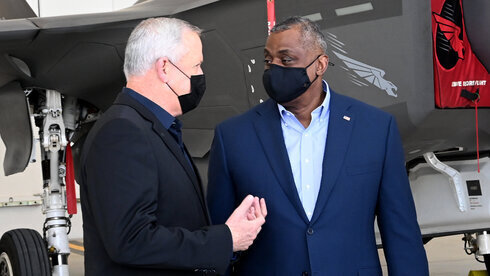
(354, 9)
(314, 17)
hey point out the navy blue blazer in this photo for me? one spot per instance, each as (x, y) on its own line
(363, 177)
(144, 211)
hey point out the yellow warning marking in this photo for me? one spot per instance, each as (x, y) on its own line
(478, 273)
(77, 247)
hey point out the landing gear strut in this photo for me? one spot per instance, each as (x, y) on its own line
(480, 246)
(54, 143)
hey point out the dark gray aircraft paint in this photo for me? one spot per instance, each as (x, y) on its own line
(14, 9)
(382, 56)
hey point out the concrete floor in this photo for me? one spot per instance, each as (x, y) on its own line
(446, 258)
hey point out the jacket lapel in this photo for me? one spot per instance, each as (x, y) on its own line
(173, 146)
(268, 129)
(338, 137)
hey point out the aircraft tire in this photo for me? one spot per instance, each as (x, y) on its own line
(23, 252)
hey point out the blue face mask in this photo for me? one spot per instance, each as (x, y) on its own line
(284, 84)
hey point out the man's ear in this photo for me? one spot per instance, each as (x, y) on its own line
(323, 60)
(161, 68)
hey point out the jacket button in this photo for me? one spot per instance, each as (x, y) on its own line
(304, 273)
(310, 231)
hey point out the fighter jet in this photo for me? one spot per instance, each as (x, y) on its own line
(65, 71)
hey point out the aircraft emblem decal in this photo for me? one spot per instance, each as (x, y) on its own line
(448, 38)
(366, 72)
(451, 32)
(371, 74)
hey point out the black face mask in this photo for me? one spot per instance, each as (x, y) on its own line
(190, 101)
(284, 84)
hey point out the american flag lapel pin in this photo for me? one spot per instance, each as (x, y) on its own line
(347, 118)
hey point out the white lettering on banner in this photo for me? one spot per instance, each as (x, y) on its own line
(469, 83)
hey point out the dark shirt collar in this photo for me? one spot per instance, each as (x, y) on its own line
(163, 116)
(172, 124)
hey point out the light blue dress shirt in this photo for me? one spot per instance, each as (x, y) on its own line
(306, 148)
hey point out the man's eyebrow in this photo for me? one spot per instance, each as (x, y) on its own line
(284, 51)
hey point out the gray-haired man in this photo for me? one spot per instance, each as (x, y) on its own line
(143, 206)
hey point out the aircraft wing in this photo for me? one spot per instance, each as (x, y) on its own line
(77, 55)
(141, 10)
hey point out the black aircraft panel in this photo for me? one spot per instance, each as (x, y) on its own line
(477, 21)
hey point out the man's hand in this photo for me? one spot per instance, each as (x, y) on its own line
(246, 222)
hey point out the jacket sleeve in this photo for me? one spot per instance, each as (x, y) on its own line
(397, 219)
(221, 193)
(122, 190)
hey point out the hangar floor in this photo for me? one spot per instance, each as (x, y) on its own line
(446, 258)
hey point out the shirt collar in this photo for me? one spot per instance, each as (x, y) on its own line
(163, 116)
(323, 107)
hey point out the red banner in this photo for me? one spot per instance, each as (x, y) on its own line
(271, 15)
(71, 198)
(457, 69)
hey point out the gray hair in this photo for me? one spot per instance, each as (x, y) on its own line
(152, 39)
(310, 31)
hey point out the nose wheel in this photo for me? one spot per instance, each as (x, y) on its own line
(5, 265)
(22, 253)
